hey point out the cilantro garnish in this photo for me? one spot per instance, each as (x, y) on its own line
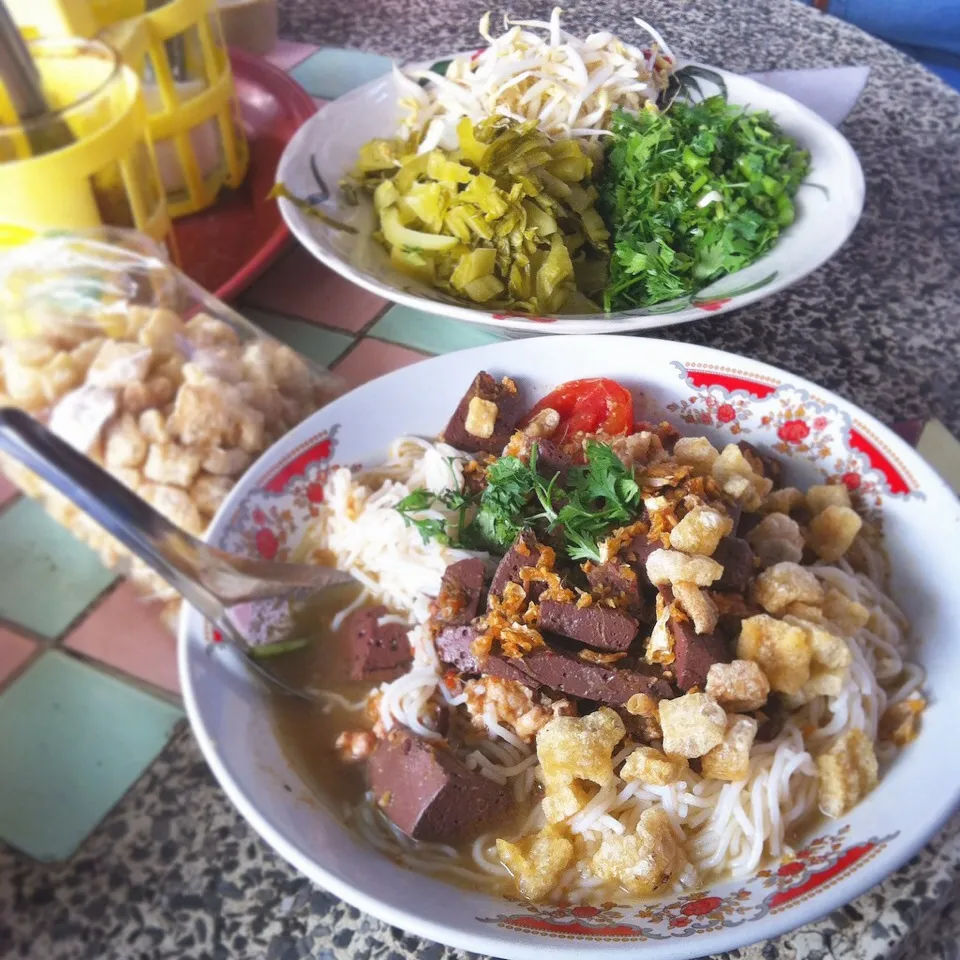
(660, 168)
(594, 499)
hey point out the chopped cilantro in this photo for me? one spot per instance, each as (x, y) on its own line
(660, 168)
(595, 498)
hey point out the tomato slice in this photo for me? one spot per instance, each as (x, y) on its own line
(588, 406)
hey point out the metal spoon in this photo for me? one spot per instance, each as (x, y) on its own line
(210, 580)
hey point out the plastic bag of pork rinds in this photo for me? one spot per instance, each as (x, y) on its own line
(138, 367)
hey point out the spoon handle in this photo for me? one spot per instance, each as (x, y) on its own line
(131, 520)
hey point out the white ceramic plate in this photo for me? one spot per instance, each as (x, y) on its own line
(828, 208)
(815, 433)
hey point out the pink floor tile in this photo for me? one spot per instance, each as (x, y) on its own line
(287, 54)
(300, 286)
(15, 651)
(128, 635)
(372, 358)
(7, 490)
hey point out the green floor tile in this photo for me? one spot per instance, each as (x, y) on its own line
(330, 73)
(74, 740)
(429, 332)
(317, 343)
(47, 577)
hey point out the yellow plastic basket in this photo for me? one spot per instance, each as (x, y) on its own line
(188, 87)
(177, 50)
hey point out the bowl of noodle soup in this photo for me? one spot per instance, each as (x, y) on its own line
(702, 833)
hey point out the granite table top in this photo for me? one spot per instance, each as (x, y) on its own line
(174, 872)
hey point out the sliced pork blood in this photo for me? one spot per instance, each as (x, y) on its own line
(636, 552)
(374, 651)
(454, 648)
(525, 552)
(695, 653)
(616, 581)
(504, 396)
(736, 558)
(596, 626)
(460, 590)
(771, 717)
(428, 793)
(565, 671)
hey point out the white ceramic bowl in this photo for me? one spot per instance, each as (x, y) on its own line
(815, 433)
(828, 208)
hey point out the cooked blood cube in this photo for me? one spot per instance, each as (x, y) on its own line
(454, 648)
(736, 558)
(374, 651)
(598, 627)
(566, 672)
(695, 653)
(428, 793)
(525, 552)
(459, 599)
(485, 417)
(616, 581)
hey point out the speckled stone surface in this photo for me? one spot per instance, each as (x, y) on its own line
(174, 873)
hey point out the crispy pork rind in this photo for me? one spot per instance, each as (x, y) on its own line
(739, 687)
(900, 723)
(146, 373)
(777, 538)
(737, 479)
(730, 760)
(646, 710)
(821, 496)
(832, 532)
(784, 500)
(537, 862)
(848, 772)
(800, 658)
(700, 531)
(671, 566)
(781, 650)
(698, 606)
(572, 749)
(652, 766)
(830, 660)
(660, 643)
(846, 614)
(784, 583)
(643, 862)
(696, 452)
(692, 725)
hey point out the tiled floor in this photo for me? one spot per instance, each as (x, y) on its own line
(74, 739)
(123, 632)
(88, 679)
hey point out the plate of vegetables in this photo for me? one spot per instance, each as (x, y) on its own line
(597, 185)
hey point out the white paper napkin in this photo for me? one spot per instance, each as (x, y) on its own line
(831, 92)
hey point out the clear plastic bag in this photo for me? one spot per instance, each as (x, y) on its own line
(145, 372)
